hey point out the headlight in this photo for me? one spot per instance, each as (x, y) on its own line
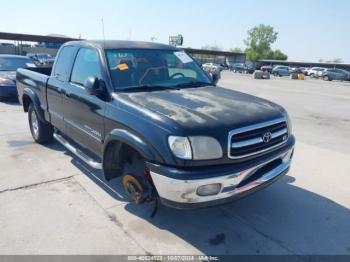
(181, 147)
(4, 81)
(195, 147)
(205, 148)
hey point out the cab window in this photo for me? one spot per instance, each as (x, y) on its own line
(61, 71)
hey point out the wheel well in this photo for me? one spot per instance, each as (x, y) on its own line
(116, 155)
(26, 102)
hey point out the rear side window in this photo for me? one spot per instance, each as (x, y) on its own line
(86, 64)
(62, 66)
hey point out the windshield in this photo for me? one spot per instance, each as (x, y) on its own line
(147, 69)
(12, 64)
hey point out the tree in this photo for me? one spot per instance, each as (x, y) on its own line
(277, 55)
(259, 41)
(236, 50)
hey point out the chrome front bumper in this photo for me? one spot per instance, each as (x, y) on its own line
(183, 193)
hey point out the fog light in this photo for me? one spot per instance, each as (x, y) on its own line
(209, 190)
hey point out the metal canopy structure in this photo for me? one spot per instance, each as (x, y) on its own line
(205, 56)
(34, 38)
(212, 52)
(200, 54)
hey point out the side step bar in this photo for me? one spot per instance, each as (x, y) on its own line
(88, 160)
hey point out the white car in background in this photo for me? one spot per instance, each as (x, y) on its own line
(316, 71)
(211, 67)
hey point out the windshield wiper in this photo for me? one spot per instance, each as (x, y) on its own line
(192, 84)
(145, 87)
(150, 87)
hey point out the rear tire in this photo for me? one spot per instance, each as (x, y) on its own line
(42, 133)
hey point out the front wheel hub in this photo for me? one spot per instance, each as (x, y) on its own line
(133, 188)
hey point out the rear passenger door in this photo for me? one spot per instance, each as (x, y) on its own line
(57, 86)
(85, 112)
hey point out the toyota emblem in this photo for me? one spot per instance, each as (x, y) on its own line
(267, 137)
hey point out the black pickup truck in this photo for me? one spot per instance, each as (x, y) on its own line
(147, 113)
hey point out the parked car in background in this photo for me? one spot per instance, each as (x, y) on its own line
(213, 72)
(281, 71)
(50, 61)
(43, 58)
(299, 70)
(224, 66)
(316, 71)
(211, 66)
(266, 68)
(8, 66)
(237, 67)
(303, 70)
(40, 58)
(242, 68)
(7, 44)
(331, 74)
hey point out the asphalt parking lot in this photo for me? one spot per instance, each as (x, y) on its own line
(51, 203)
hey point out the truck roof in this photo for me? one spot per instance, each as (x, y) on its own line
(121, 44)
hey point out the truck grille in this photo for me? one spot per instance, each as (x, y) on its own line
(256, 139)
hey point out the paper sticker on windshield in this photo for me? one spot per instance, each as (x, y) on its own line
(123, 67)
(184, 58)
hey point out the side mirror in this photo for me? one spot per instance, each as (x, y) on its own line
(215, 77)
(92, 85)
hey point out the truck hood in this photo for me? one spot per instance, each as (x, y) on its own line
(204, 107)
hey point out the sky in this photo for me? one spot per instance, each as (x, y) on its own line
(309, 30)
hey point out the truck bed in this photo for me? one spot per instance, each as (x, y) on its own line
(33, 80)
(41, 70)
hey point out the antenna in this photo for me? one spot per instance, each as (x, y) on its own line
(103, 32)
(130, 33)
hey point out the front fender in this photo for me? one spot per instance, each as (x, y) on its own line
(147, 151)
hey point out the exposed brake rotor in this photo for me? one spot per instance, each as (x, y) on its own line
(134, 189)
(140, 193)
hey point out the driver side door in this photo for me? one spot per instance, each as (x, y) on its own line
(85, 112)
